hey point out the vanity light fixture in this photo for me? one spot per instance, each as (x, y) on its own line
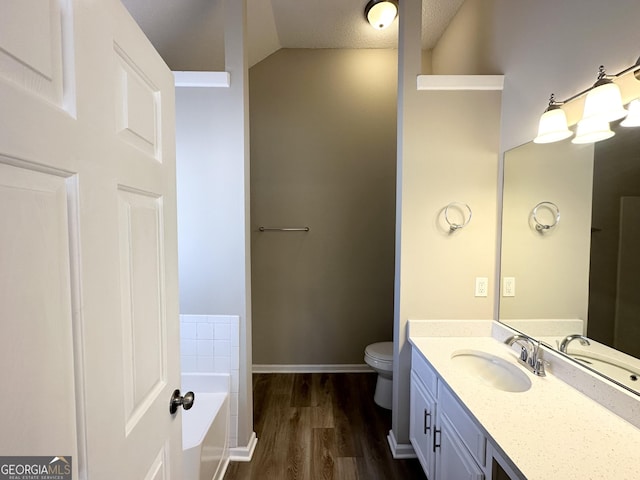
(381, 13)
(590, 130)
(603, 104)
(633, 117)
(553, 124)
(604, 100)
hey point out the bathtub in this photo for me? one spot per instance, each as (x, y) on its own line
(205, 427)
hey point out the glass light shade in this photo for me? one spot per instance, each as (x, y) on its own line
(604, 102)
(633, 118)
(592, 130)
(553, 126)
(381, 14)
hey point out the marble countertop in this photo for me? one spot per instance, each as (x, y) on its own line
(551, 431)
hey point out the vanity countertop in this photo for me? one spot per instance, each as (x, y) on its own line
(551, 431)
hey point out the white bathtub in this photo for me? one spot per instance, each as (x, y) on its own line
(205, 427)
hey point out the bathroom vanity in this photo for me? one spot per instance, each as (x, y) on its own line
(470, 424)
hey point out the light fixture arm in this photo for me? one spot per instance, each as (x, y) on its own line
(602, 75)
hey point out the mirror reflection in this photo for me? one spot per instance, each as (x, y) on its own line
(575, 283)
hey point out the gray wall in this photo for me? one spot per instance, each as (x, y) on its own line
(323, 155)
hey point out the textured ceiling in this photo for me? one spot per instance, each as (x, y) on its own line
(189, 34)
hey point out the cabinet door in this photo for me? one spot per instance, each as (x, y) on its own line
(421, 429)
(453, 458)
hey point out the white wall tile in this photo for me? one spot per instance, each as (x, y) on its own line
(188, 346)
(188, 363)
(221, 364)
(205, 331)
(210, 344)
(205, 347)
(187, 330)
(235, 358)
(235, 383)
(222, 331)
(222, 348)
(204, 364)
(235, 333)
(190, 318)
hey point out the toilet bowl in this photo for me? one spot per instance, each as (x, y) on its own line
(379, 356)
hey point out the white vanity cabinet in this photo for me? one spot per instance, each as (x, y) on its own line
(422, 426)
(447, 440)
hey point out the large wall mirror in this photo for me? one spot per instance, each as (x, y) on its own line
(574, 266)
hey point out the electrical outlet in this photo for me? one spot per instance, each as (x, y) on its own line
(509, 287)
(482, 286)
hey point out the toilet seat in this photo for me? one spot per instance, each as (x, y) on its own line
(380, 355)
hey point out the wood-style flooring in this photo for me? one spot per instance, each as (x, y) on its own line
(319, 426)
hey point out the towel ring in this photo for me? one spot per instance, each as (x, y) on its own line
(553, 208)
(456, 226)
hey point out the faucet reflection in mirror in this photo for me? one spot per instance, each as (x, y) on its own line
(584, 279)
(603, 104)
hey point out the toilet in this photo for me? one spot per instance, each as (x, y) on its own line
(379, 356)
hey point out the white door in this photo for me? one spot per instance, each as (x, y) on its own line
(88, 270)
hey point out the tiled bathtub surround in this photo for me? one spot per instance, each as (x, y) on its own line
(211, 344)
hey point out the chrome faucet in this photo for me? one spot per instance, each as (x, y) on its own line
(530, 353)
(584, 341)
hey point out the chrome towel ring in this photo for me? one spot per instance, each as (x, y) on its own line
(453, 226)
(555, 211)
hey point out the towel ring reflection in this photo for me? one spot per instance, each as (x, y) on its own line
(456, 226)
(553, 208)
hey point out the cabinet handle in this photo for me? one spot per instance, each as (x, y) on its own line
(427, 426)
(435, 443)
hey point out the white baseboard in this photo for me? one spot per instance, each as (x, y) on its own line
(244, 454)
(344, 368)
(400, 450)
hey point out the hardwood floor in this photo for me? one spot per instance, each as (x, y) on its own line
(319, 426)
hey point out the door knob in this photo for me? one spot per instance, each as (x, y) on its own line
(177, 400)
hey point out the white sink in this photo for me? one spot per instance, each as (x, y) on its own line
(492, 370)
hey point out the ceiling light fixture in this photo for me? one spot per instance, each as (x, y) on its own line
(603, 104)
(381, 13)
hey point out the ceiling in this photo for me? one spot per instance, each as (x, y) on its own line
(189, 34)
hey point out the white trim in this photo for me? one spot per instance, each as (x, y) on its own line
(222, 470)
(400, 450)
(344, 368)
(460, 82)
(244, 454)
(202, 79)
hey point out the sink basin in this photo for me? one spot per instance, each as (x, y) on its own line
(492, 370)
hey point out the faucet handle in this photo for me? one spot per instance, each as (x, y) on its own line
(524, 353)
(539, 367)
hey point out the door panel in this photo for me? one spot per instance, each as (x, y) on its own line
(31, 48)
(137, 105)
(35, 307)
(143, 316)
(88, 262)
